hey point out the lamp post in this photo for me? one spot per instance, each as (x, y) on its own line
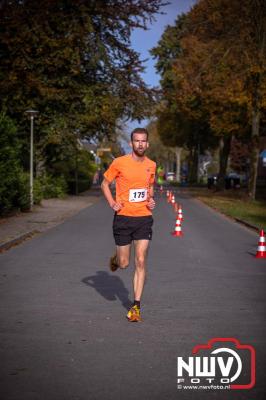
(31, 114)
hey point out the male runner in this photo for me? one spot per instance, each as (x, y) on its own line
(134, 176)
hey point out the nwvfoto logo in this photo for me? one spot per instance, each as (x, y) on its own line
(222, 361)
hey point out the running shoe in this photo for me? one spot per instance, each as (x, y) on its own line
(133, 314)
(113, 263)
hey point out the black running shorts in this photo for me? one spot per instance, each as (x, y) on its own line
(126, 229)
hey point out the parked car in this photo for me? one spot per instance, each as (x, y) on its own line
(231, 181)
(170, 176)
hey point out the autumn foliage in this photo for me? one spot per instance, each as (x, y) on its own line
(217, 74)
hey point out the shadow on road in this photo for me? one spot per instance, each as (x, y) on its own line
(252, 253)
(111, 287)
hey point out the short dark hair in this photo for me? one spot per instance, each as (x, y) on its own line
(139, 130)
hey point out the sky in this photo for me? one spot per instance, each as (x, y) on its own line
(142, 41)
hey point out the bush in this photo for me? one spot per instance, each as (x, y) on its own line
(44, 187)
(10, 168)
(23, 198)
(47, 186)
(83, 184)
(38, 194)
(71, 162)
(53, 186)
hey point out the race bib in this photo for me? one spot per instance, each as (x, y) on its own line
(137, 195)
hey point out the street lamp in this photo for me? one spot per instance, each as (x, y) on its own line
(31, 114)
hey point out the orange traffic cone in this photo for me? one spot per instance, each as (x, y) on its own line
(180, 213)
(178, 229)
(176, 207)
(169, 197)
(173, 200)
(261, 251)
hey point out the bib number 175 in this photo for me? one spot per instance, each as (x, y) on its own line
(136, 195)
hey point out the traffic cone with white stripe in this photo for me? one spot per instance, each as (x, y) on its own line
(178, 228)
(261, 251)
(173, 200)
(180, 213)
(169, 197)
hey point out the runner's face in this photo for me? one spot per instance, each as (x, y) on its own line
(139, 144)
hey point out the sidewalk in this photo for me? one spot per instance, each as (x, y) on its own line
(51, 212)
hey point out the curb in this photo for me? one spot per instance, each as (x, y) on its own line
(240, 221)
(247, 224)
(19, 239)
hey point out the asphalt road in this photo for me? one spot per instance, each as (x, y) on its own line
(63, 331)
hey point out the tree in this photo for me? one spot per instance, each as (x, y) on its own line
(236, 38)
(73, 62)
(76, 62)
(10, 168)
(182, 117)
(217, 72)
(163, 155)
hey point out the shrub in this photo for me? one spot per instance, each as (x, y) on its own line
(43, 187)
(23, 198)
(83, 184)
(10, 168)
(51, 186)
(38, 194)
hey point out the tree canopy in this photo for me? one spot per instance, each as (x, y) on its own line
(216, 74)
(71, 60)
(74, 59)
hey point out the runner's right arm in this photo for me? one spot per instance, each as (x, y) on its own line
(151, 202)
(105, 186)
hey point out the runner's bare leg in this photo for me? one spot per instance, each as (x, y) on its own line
(123, 255)
(141, 250)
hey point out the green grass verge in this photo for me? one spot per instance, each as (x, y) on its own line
(234, 204)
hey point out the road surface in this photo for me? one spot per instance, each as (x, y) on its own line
(64, 335)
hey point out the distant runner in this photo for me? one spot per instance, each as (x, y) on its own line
(134, 175)
(160, 175)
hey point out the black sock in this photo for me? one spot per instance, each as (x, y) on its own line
(136, 303)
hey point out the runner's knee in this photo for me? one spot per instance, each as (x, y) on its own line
(140, 261)
(123, 262)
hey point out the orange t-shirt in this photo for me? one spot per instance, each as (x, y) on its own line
(133, 179)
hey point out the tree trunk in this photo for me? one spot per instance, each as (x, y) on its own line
(257, 93)
(178, 162)
(224, 151)
(254, 155)
(193, 165)
(39, 162)
(40, 168)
